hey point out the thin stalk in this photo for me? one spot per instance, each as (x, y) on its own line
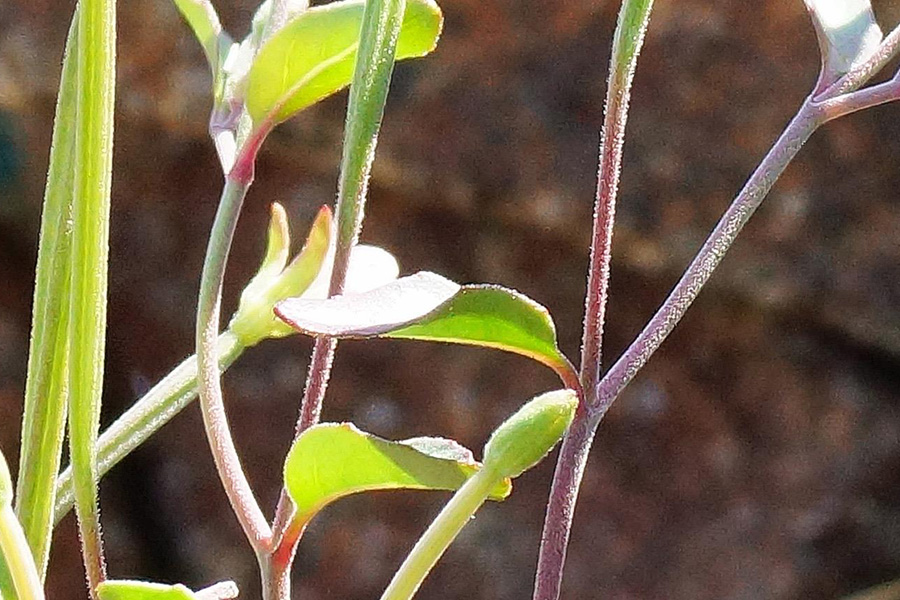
(166, 399)
(573, 455)
(90, 247)
(16, 553)
(46, 387)
(276, 577)
(365, 110)
(215, 421)
(845, 104)
(437, 538)
(634, 17)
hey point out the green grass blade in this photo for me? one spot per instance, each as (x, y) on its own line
(46, 386)
(90, 248)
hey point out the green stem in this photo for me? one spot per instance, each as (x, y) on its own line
(228, 464)
(46, 387)
(90, 242)
(17, 554)
(146, 416)
(442, 531)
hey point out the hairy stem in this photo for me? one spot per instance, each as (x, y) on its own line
(629, 37)
(46, 386)
(228, 464)
(573, 455)
(92, 166)
(634, 16)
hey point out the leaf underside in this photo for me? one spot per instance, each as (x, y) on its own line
(429, 307)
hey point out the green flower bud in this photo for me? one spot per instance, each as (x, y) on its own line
(527, 436)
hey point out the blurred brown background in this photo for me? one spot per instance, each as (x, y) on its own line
(757, 456)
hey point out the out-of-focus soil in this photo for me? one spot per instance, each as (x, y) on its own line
(758, 454)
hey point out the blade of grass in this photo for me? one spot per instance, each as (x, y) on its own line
(365, 110)
(90, 241)
(46, 387)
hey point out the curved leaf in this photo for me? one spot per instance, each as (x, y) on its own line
(330, 461)
(203, 20)
(429, 307)
(371, 313)
(313, 55)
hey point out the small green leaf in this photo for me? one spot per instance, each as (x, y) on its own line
(848, 35)
(123, 589)
(525, 438)
(428, 307)
(142, 590)
(201, 17)
(330, 461)
(313, 55)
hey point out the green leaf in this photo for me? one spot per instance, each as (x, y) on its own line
(848, 35)
(123, 589)
(313, 55)
(92, 165)
(330, 461)
(142, 590)
(46, 388)
(429, 307)
(201, 17)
